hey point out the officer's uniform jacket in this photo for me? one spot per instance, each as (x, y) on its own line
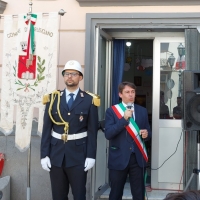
(82, 117)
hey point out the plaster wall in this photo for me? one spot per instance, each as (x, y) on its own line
(72, 43)
(71, 46)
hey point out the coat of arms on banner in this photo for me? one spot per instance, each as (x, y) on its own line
(28, 71)
(27, 63)
(27, 59)
(27, 67)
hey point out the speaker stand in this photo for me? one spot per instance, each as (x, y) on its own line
(196, 171)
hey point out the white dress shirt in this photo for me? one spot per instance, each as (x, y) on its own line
(132, 108)
(68, 92)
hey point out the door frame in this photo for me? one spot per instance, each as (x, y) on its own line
(131, 22)
(102, 66)
(157, 124)
(121, 22)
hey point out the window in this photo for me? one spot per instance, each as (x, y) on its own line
(170, 79)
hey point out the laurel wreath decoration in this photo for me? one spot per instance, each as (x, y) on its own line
(40, 76)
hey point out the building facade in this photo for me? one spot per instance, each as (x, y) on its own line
(163, 41)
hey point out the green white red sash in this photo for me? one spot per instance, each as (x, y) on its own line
(132, 129)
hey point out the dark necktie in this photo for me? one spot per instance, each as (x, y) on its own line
(70, 101)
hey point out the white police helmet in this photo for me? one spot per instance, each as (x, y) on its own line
(72, 64)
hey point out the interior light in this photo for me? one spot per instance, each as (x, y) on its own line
(128, 44)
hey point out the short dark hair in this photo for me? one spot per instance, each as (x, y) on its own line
(123, 84)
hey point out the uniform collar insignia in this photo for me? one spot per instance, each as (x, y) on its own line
(61, 93)
(81, 94)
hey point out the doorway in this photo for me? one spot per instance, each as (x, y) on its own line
(138, 68)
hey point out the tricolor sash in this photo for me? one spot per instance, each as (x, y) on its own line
(132, 129)
(31, 31)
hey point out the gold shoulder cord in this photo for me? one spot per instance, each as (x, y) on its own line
(66, 124)
(96, 98)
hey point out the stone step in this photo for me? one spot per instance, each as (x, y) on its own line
(151, 194)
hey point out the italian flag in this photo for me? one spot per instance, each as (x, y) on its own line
(31, 36)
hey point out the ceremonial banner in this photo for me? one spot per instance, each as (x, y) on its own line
(28, 72)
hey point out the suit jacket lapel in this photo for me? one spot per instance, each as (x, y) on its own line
(63, 101)
(136, 113)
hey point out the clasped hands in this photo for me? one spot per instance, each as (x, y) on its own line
(46, 163)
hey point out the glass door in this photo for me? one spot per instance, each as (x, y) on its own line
(102, 81)
(167, 136)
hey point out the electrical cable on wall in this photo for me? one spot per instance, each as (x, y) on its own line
(171, 154)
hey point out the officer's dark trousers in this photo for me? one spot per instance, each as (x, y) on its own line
(62, 177)
(118, 180)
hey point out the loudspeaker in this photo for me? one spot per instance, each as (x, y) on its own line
(191, 100)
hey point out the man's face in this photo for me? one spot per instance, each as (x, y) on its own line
(127, 95)
(72, 78)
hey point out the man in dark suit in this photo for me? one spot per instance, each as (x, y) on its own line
(126, 129)
(177, 112)
(68, 145)
(164, 110)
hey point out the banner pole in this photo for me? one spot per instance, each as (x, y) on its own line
(30, 7)
(28, 173)
(29, 150)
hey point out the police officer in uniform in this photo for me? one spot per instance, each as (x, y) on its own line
(68, 144)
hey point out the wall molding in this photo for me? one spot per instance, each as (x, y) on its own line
(93, 3)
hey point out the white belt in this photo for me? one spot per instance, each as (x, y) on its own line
(70, 136)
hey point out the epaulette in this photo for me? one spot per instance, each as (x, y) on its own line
(96, 98)
(46, 98)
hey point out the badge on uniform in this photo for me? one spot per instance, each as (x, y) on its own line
(61, 93)
(82, 94)
(81, 117)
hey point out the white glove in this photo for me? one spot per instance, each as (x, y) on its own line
(46, 163)
(89, 163)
